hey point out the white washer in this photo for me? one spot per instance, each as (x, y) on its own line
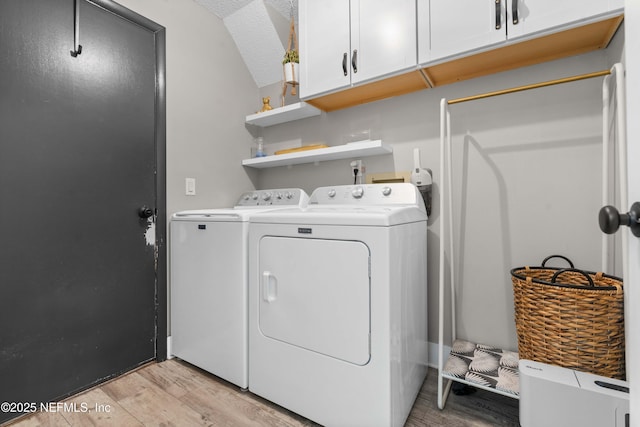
(338, 305)
(208, 260)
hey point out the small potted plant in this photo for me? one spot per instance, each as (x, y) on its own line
(291, 64)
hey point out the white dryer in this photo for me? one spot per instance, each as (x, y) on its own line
(208, 294)
(338, 305)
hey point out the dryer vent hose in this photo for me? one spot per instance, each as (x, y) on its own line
(425, 190)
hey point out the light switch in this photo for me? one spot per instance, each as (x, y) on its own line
(190, 184)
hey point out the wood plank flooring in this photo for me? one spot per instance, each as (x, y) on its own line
(175, 393)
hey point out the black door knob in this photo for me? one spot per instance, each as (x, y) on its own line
(610, 219)
(145, 212)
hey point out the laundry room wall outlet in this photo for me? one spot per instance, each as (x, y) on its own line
(190, 186)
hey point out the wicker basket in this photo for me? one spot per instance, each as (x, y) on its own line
(570, 318)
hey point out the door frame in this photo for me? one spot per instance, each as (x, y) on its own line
(632, 271)
(160, 142)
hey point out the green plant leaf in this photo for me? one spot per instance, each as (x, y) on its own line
(291, 56)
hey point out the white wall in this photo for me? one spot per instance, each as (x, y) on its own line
(209, 93)
(527, 165)
(527, 177)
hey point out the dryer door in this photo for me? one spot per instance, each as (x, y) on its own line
(315, 294)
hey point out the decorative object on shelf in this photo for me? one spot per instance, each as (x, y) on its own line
(260, 147)
(265, 104)
(291, 61)
(291, 64)
(303, 148)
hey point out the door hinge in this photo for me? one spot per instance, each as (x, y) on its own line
(155, 257)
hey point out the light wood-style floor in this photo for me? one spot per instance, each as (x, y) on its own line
(175, 393)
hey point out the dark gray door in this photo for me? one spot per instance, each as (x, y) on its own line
(79, 154)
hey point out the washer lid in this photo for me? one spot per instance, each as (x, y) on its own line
(228, 214)
(343, 215)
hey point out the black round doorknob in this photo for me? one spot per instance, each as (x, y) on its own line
(145, 212)
(610, 219)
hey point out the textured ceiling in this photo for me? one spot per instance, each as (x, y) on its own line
(260, 31)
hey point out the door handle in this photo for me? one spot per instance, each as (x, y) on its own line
(145, 212)
(354, 60)
(610, 219)
(514, 11)
(498, 14)
(269, 286)
(344, 63)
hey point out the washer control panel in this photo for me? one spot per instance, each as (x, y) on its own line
(274, 197)
(366, 194)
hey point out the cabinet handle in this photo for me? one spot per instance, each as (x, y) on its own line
(498, 15)
(354, 60)
(344, 63)
(514, 11)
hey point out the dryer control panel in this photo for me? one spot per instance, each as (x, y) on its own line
(274, 197)
(367, 194)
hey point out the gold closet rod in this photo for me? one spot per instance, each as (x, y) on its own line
(531, 86)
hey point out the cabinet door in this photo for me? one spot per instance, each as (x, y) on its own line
(449, 28)
(534, 16)
(383, 38)
(324, 46)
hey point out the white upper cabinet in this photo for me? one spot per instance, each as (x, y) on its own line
(345, 42)
(450, 28)
(384, 33)
(325, 46)
(446, 27)
(527, 17)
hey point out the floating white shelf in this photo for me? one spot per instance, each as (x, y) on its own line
(288, 113)
(350, 150)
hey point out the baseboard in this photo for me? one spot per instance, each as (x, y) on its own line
(169, 348)
(433, 354)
